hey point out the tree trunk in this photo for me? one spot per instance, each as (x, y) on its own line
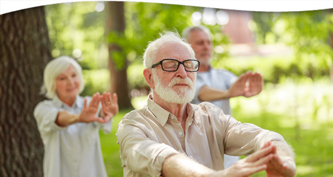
(24, 52)
(118, 76)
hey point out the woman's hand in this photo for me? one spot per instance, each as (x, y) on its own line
(88, 113)
(109, 106)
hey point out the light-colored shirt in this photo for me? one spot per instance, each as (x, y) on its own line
(218, 79)
(148, 136)
(72, 151)
(222, 80)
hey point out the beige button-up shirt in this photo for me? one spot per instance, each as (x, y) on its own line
(147, 136)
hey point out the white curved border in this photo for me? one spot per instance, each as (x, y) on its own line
(7, 6)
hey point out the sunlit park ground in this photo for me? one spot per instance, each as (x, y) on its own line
(303, 114)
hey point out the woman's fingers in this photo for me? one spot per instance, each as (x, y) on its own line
(85, 103)
(107, 118)
(98, 120)
(115, 98)
(105, 99)
(95, 100)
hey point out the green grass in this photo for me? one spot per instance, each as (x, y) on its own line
(312, 140)
(312, 145)
(110, 148)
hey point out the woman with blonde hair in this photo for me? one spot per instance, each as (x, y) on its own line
(69, 124)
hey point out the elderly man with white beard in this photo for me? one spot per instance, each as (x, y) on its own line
(171, 137)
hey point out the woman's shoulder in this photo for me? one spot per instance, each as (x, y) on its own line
(45, 104)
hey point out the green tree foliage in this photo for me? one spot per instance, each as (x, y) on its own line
(307, 32)
(78, 26)
(144, 23)
(264, 22)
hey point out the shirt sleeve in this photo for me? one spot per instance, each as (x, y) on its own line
(229, 78)
(106, 127)
(238, 138)
(45, 114)
(139, 153)
(246, 138)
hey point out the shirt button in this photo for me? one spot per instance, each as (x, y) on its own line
(180, 133)
(171, 117)
(191, 157)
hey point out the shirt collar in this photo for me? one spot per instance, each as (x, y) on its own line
(163, 115)
(77, 103)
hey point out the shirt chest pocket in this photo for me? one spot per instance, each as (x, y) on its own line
(88, 134)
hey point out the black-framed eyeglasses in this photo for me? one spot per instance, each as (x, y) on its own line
(171, 65)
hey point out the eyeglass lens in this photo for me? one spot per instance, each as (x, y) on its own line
(172, 65)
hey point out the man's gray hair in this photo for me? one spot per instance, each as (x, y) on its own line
(53, 69)
(188, 30)
(149, 55)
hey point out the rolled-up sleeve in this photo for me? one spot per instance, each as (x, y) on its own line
(138, 152)
(46, 114)
(234, 137)
(245, 138)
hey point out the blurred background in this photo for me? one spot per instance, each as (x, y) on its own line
(292, 51)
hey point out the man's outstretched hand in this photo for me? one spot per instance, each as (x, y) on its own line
(281, 166)
(254, 85)
(248, 84)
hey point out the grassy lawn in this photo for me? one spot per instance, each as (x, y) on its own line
(310, 134)
(313, 145)
(110, 148)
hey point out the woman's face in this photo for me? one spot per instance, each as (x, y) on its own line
(68, 84)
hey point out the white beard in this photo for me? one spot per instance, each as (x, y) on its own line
(181, 96)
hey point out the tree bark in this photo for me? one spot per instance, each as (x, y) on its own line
(118, 76)
(24, 52)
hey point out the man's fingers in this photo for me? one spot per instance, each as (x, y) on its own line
(260, 154)
(249, 72)
(263, 160)
(257, 77)
(276, 162)
(255, 169)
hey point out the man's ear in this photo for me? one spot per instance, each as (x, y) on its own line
(149, 77)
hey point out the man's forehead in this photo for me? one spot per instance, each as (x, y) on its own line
(172, 50)
(199, 34)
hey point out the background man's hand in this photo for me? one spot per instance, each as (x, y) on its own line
(254, 85)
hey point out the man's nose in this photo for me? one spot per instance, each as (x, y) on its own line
(181, 72)
(206, 45)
